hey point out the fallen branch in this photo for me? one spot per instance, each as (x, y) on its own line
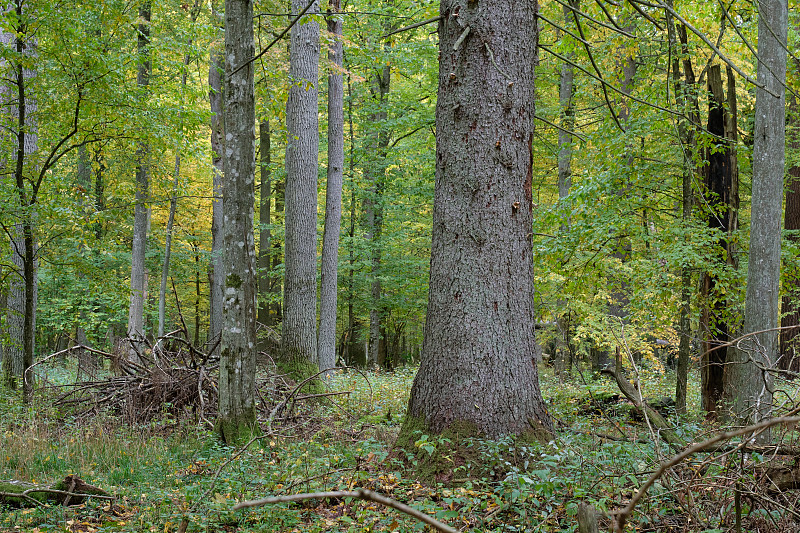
(362, 494)
(665, 431)
(751, 431)
(71, 490)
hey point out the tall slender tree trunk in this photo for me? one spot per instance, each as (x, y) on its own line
(749, 384)
(566, 91)
(173, 199)
(686, 100)
(721, 191)
(276, 286)
(141, 217)
(333, 197)
(790, 306)
(477, 372)
(299, 335)
(350, 342)
(216, 277)
(87, 361)
(23, 289)
(264, 233)
(237, 406)
(375, 172)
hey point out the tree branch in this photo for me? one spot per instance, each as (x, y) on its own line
(276, 39)
(412, 26)
(749, 430)
(362, 494)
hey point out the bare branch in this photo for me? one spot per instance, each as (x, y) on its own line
(412, 26)
(623, 515)
(577, 11)
(362, 494)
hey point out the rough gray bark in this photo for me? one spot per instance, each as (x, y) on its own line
(216, 277)
(326, 344)
(299, 335)
(141, 216)
(237, 372)
(264, 233)
(748, 384)
(477, 370)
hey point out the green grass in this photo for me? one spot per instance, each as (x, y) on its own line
(164, 472)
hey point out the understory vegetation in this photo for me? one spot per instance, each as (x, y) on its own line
(172, 471)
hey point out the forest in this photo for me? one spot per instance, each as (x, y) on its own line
(399, 265)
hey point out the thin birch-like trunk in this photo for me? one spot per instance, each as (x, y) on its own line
(216, 66)
(141, 216)
(173, 199)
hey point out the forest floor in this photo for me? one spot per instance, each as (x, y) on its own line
(173, 470)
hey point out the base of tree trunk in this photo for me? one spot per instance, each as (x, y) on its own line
(71, 490)
(452, 457)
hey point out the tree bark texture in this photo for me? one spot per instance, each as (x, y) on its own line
(299, 335)
(721, 192)
(748, 383)
(477, 363)
(216, 277)
(237, 407)
(264, 233)
(141, 214)
(333, 197)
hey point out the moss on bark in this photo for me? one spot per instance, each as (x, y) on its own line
(300, 369)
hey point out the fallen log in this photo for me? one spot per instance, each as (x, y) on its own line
(665, 430)
(71, 490)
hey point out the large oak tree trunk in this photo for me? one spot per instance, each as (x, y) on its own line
(237, 371)
(299, 333)
(477, 366)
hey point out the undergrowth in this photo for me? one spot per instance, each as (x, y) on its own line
(169, 471)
